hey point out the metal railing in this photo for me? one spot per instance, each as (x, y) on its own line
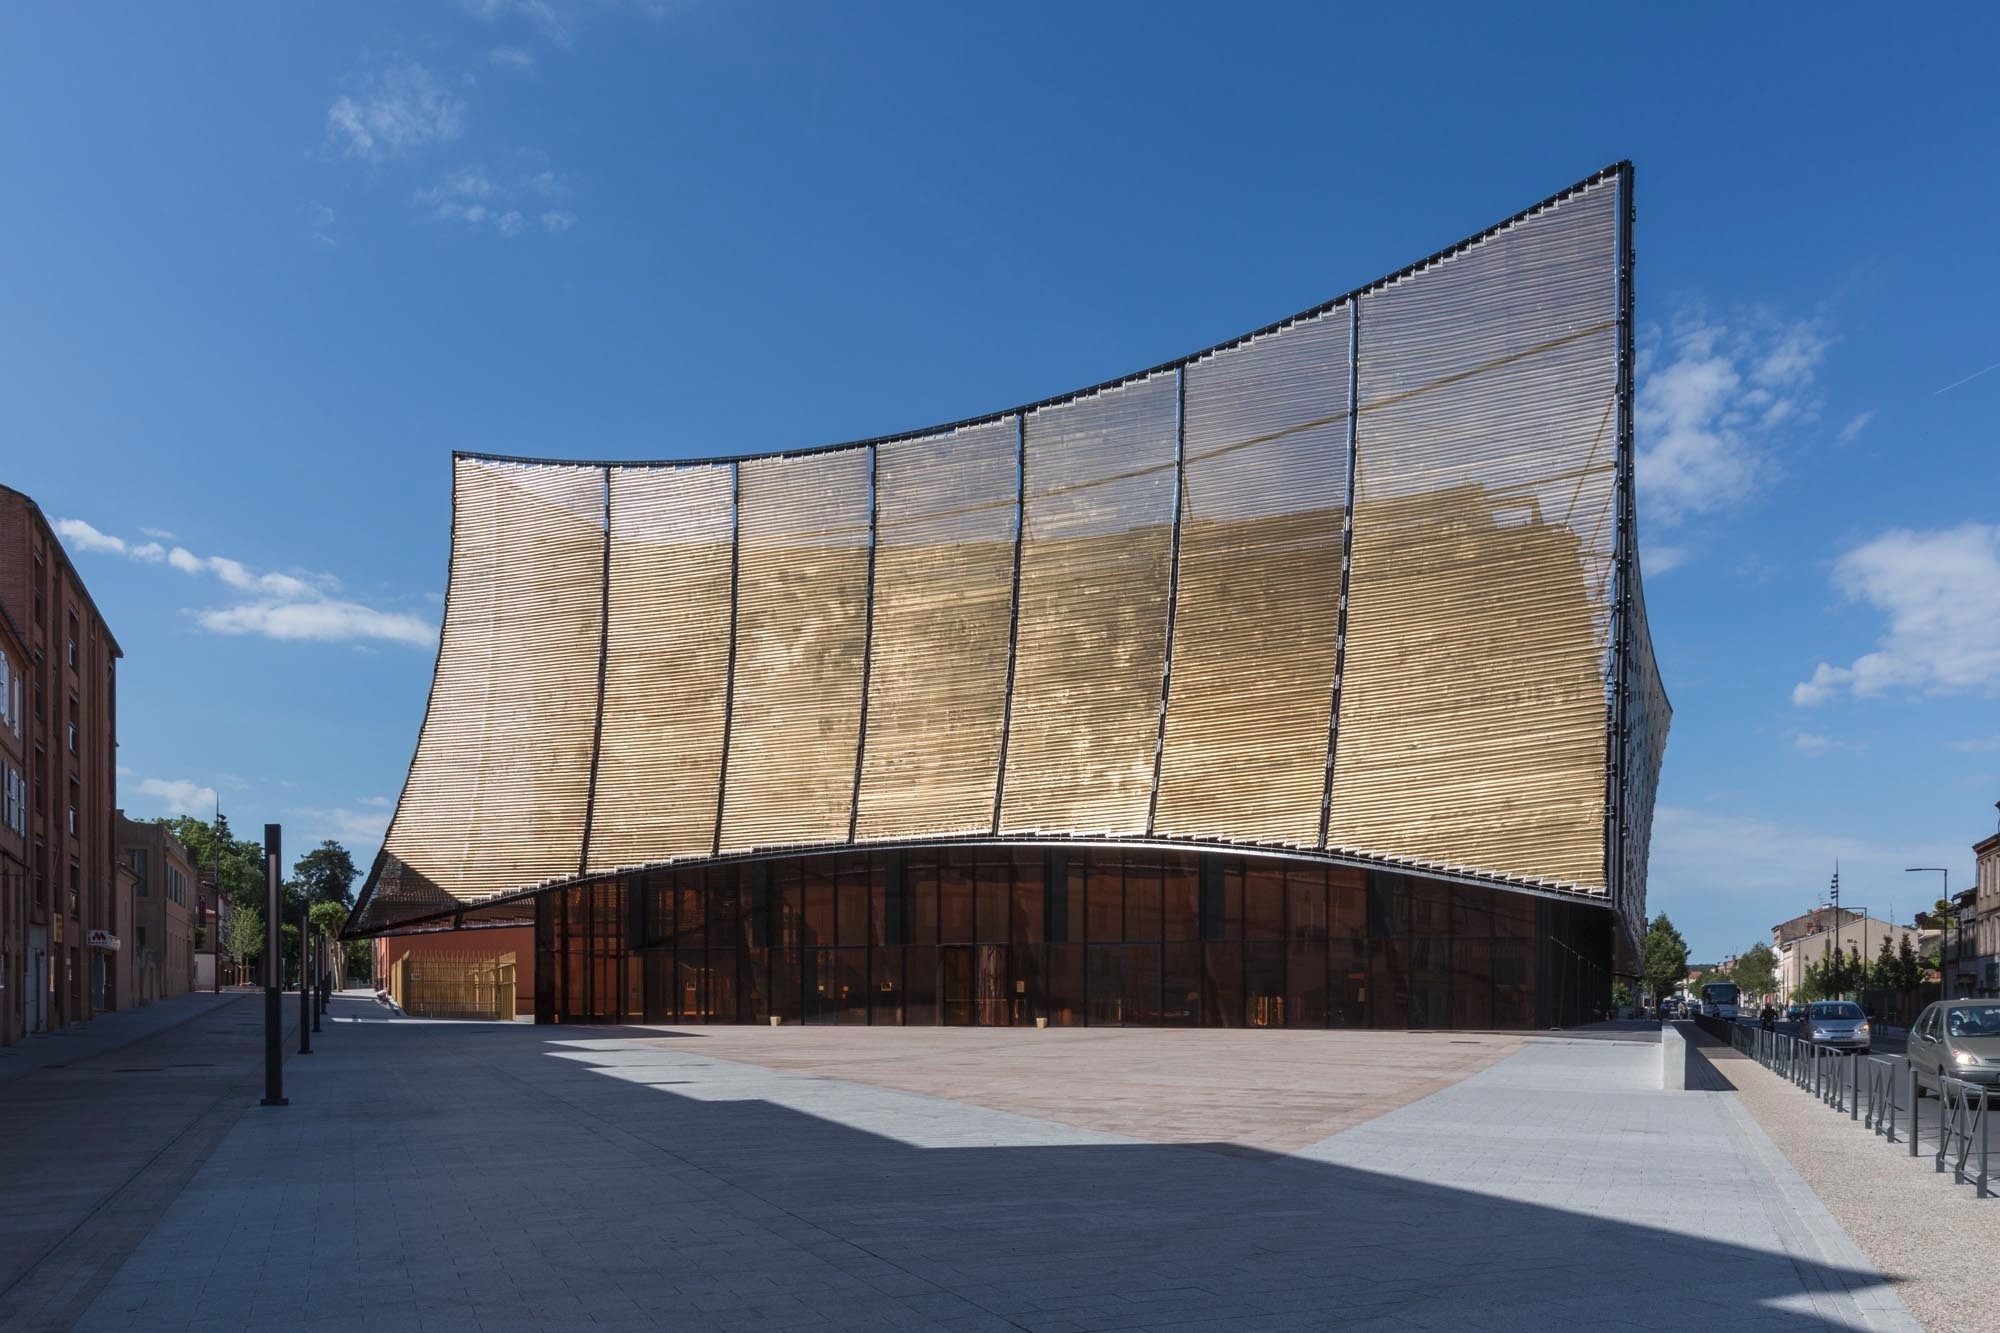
(1871, 1091)
(1962, 1110)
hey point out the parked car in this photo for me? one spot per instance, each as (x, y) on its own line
(1670, 1008)
(1959, 1038)
(1794, 1013)
(1839, 1024)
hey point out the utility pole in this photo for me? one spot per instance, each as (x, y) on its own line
(274, 1055)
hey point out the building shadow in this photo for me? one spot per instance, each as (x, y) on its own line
(931, 1212)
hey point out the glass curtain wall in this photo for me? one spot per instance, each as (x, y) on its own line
(1004, 936)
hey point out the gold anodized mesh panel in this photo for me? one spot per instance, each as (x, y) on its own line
(1472, 727)
(496, 794)
(1257, 615)
(801, 614)
(1091, 643)
(666, 668)
(944, 597)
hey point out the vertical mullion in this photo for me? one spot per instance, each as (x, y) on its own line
(1173, 587)
(1616, 720)
(1346, 561)
(1014, 618)
(867, 644)
(729, 671)
(603, 652)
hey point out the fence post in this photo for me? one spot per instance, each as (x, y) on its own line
(1854, 1103)
(1916, 1111)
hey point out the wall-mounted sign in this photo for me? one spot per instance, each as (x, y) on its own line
(105, 940)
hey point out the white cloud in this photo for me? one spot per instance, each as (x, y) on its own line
(379, 802)
(1714, 854)
(1852, 430)
(1941, 593)
(319, 226)
(160, 533)
(179, 796)
(1974, 744)
(1711, 399)
(1811, 742)
(1660, 559)
(512, 58)
(472, 196)
(86, 538)
(460, 197)
(550, 20)
(326, 620)
(397, 109)
(289, 606)
(341, 824)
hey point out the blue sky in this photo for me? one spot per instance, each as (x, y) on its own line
(263, 267)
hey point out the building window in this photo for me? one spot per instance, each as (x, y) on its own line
(75, 887)
(72, 814)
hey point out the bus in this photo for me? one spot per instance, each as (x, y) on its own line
(1718, 999)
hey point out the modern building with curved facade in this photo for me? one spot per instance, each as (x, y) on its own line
(1301, 682)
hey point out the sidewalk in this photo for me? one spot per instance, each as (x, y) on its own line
(520, 1177)
(1938, 1241)
(108, 1032)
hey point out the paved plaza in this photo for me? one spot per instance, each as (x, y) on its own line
(505, 1176)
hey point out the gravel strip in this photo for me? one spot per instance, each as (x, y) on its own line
(1934, 1240)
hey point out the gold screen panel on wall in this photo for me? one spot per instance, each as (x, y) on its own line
(666, 670)
(944, 598)
(1257, 614)
(1133, 612)
(497, 792)
(801, 622)
(1473, 706)
(1091, 643)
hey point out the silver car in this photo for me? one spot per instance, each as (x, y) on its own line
(1837, 1023)
(1958, 1038)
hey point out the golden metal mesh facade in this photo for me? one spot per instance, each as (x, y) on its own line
(501, 779)
(1151, 610)
(1090, 647)
(1257, 619)
(1473, 704)
(801, 616)
(944, 599)
(666, 668)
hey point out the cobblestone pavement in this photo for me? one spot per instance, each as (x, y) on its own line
(487, 1176)
(1939, 1240)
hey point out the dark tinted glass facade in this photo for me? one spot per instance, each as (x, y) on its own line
(998, 936)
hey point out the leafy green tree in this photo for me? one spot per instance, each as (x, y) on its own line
(244, 937)
(237, 862)
(326, 874)
(1621, 994)
(1666, 957)
(1757, 971)
(1882, 975)
(1909, 967)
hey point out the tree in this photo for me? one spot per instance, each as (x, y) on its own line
(1909, 967)
(238, 863)
(1666, 957)
(1621, 994)
(245, 936)
(1757, 971)
(1882, 975)
(326, 874)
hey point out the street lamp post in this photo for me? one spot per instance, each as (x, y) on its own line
(1944, 979)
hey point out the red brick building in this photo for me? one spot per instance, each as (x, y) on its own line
(60, 916)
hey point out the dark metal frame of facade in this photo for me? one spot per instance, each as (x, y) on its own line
(1619, 668)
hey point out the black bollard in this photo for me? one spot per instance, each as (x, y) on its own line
(311, 978)
(274, 1014)
(305, 990)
